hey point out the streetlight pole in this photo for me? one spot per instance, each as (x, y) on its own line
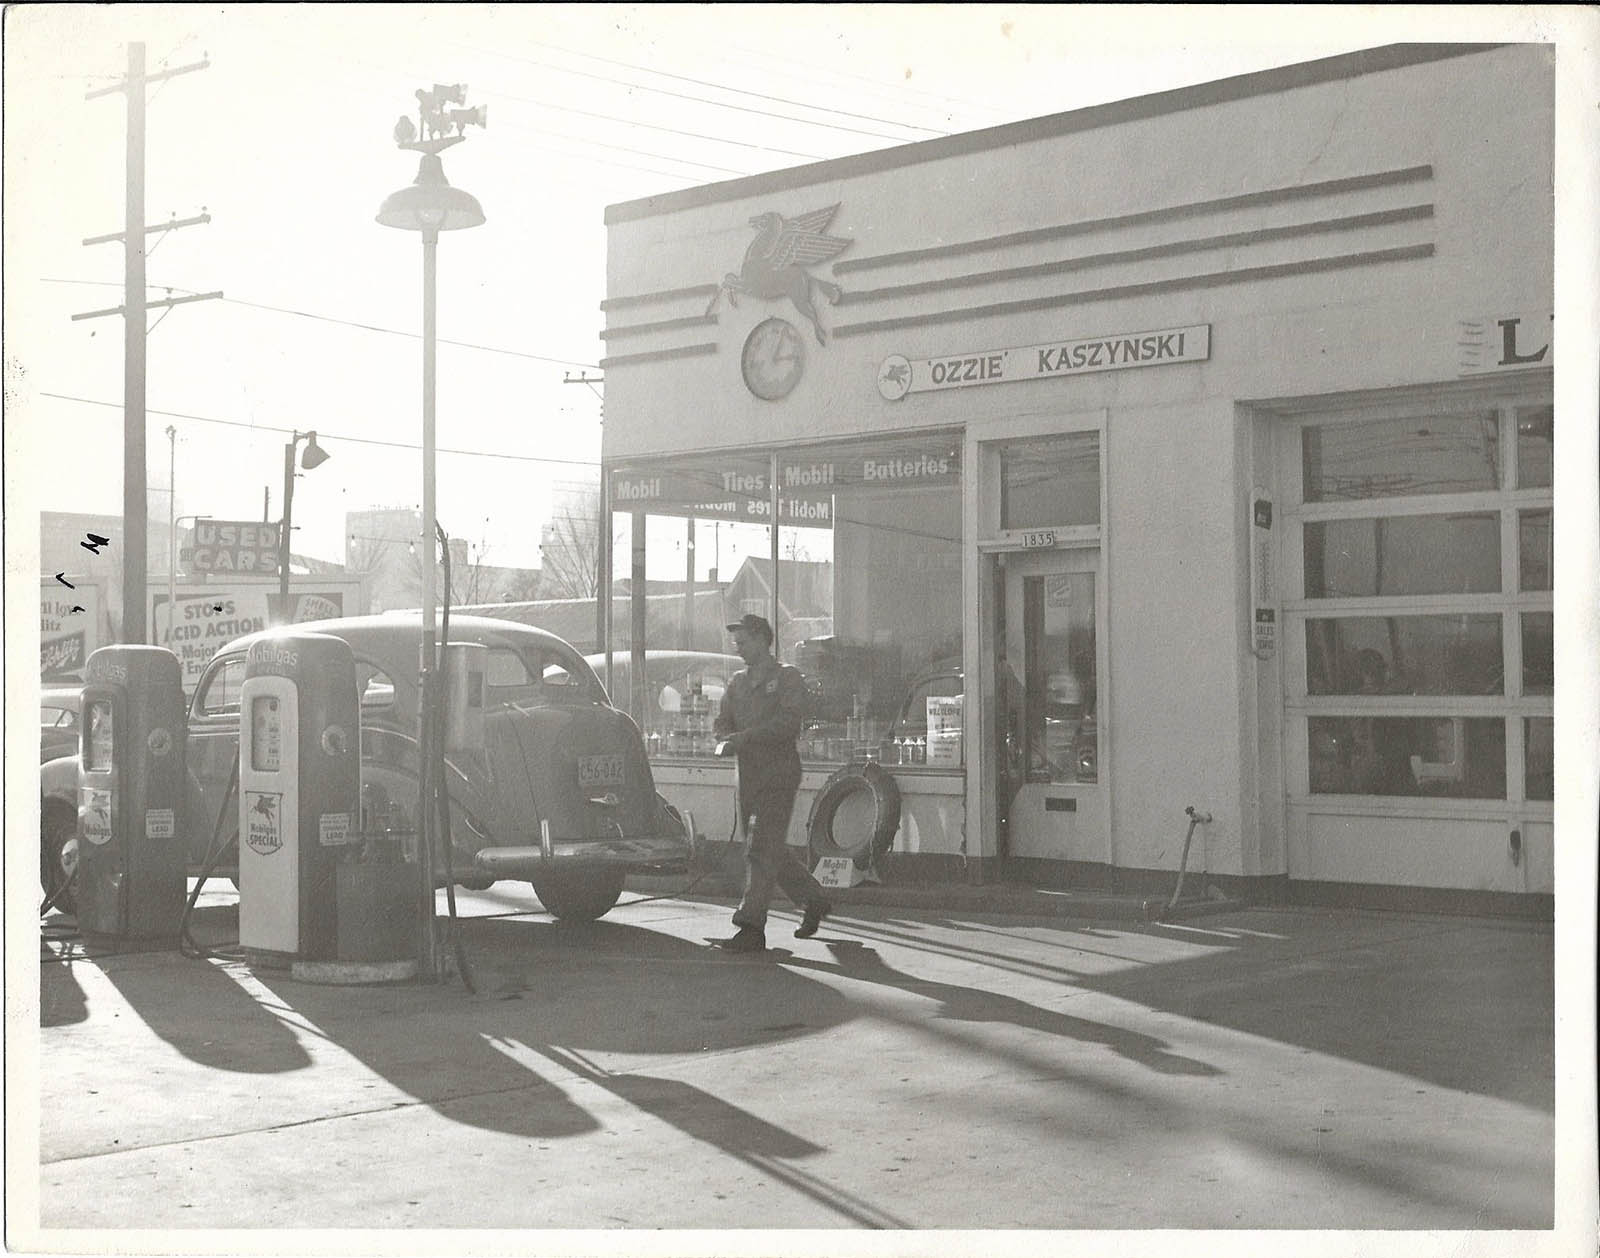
(430, 205)
(172, 530)
(314, 456)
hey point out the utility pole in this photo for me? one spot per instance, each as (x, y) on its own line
(135, 510)
(602, 537)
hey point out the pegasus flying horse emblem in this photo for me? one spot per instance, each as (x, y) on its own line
(776, 261)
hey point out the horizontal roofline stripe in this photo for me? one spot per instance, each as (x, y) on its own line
(1144, 253)
(1220, 91)
(1247, 200)
(1209, 280)
(665, 294)
(660, 325)
(658, 355)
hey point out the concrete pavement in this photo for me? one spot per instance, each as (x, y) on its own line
(921, 1068)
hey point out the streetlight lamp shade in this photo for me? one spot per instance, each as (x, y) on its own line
(430, 203)
(313, 455)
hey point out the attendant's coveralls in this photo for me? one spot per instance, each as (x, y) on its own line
(765, 705)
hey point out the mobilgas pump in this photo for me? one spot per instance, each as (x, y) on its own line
(299, 794)
(131, 764)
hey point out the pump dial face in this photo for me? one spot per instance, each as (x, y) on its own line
(774, 357)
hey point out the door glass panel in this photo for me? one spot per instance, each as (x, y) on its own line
(1050, 481)
(1539, 737)
(1538, 653)
(1420, 554)
(1414, 655)
(1453, 757)
(1059, 678)
(1391, 458)
(1534, 549)
(1535, 430)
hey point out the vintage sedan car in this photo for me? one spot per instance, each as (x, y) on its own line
(561, 795)
(59, 710)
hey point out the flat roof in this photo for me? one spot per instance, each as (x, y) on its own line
(1258, 83)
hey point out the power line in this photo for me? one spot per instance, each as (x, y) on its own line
(492, 94)
(881, 89)
(622, 148)
(323, 434)
(349, 323)
(700, 100)
(684, 78)
(650, 126)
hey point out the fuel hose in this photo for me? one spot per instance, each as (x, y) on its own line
(219, 849)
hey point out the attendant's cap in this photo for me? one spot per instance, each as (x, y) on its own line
(751, 623)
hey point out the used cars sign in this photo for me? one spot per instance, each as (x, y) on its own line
(234, 546)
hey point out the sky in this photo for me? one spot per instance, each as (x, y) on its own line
(286, 141)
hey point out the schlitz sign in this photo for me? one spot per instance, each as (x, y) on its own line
(898, 376)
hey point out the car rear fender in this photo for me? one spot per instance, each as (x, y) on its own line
(58, 779)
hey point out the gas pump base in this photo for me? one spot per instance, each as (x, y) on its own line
(352, 973)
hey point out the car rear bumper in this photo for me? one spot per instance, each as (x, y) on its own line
(670, 853)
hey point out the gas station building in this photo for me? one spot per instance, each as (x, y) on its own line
(1190, 450)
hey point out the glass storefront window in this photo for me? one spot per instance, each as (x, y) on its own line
(1047, 481)
(1535, 446)
(1447, 756)
(1534, 549)
(1392, 458)
(1405, 554)
(1413, 655)
(867, 583)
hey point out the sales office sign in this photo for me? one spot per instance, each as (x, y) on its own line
(898, 376)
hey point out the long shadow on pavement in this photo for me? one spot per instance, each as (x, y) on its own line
(544, 987)
(968, 1004)
(1468, 1006)
(205, 1015)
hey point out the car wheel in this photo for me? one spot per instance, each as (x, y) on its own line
(58, 854)
(579, 897)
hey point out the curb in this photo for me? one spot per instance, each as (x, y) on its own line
(998, 898)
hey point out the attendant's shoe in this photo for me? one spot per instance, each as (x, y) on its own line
(746, 940)
(815, 912)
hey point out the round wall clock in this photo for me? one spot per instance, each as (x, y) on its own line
(773, 358)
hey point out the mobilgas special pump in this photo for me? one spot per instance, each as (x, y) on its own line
(131, 766)
(299, 794)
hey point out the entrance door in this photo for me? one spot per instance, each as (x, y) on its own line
(1051, 801)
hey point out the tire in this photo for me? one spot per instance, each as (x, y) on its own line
(579, 897)
(852, 780)
(58, 854)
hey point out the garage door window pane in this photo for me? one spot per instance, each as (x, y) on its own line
(1392, 458)
(1533, 545)
(1535, 429)
(1538, 653)
(1449, 757)
(1539, 733)
(1422, 554)
(1415, 655)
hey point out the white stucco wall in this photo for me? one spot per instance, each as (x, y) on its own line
(1183, 696)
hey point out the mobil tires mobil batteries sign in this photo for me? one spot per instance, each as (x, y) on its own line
(205, 618)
